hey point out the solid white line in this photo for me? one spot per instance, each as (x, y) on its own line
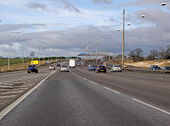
(151, 106)
(112, 90)
(4, 112)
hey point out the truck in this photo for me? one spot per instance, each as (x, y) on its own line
(72, 63)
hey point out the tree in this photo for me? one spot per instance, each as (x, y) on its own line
(136, 54)
(153, 54)
(167, 54)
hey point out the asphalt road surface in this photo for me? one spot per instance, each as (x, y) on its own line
(65, 99)
(151, 88)
(14, 84)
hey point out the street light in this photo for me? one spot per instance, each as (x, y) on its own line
(9, 51)
(123, 36)
(162, 4)
(123, 39)
(23, 56)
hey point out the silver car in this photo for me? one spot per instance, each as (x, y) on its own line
(64, 68)
(51, 67)
(116, 68)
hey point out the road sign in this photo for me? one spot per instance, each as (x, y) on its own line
(34, 62)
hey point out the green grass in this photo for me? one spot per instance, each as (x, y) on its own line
(4, 62)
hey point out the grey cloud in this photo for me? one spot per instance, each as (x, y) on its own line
(70, 6)
(151, 4)
(11, 27)
(35, 5)
(144, 2)
(53, 6)
(103, 1)
(59, 42)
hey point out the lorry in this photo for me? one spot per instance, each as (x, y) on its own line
(72, 63)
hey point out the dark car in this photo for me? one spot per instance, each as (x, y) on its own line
(91, 68)
(58, 65)
(101, 68)
(32, 68)
(166, 69)
(155, 67)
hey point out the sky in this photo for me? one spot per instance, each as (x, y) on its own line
(68, 27)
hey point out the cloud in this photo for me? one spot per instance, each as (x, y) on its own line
(149, 33)
(70, 6)
(35, 5)
(145, 2)
(73, 40)
(13, 27)
(53, 6)
(103, 1)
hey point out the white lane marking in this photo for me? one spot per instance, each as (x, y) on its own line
(85, 78)
(164, 111)
(77, 75)
(93, 82)
(112, 90)
(4, 112)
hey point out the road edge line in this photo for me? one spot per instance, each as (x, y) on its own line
(161, 110)
(10, 107)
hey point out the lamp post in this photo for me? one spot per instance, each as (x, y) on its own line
(123, 36)
(123, 39)
(23, 56)
(9, 51)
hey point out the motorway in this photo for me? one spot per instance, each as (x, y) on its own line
(71, 99)
(152, 88)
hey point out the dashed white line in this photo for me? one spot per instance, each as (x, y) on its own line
(85, 79)
(112, 90)
(93, 82)
(76, 75)
(151, 106)
(161, 110)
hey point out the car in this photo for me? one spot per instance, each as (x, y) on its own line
(116, 68)
(32, 68)
(166, 69)
(101, 68)
(58, 65)
(78, 64)
(64, 68)
(51, 67)
(155, 67)
(91, 68)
